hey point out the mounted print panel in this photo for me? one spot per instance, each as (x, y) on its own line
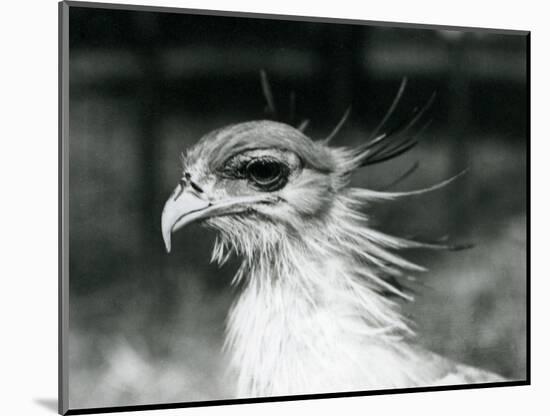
(266, 207)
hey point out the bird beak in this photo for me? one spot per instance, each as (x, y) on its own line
(187, 204)
(183, 207)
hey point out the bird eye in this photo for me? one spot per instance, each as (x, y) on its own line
(266, 174)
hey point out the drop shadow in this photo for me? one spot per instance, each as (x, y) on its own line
(49, 404)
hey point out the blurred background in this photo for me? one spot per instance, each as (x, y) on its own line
(147, 327)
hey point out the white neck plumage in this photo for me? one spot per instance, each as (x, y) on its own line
(312, 317)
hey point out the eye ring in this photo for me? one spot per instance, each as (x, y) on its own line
(267, 174)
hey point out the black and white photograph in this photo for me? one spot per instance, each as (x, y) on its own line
(260, 207)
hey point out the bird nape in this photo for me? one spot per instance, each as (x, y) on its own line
(314, 313)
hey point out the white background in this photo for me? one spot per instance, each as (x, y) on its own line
(28, 185)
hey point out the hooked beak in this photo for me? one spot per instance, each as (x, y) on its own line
(183, 207)
(187, 204)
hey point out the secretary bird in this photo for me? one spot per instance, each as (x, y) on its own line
(317, 309)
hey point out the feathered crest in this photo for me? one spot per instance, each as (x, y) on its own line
(380, 147)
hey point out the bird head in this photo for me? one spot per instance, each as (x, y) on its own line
(255, 182)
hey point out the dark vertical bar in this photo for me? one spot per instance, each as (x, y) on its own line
(459, 122)
(147, 46)
(341, 56)
(149, 91)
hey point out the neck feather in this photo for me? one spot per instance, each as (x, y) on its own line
(314, 313)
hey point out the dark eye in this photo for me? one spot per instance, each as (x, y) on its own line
(267, 174)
